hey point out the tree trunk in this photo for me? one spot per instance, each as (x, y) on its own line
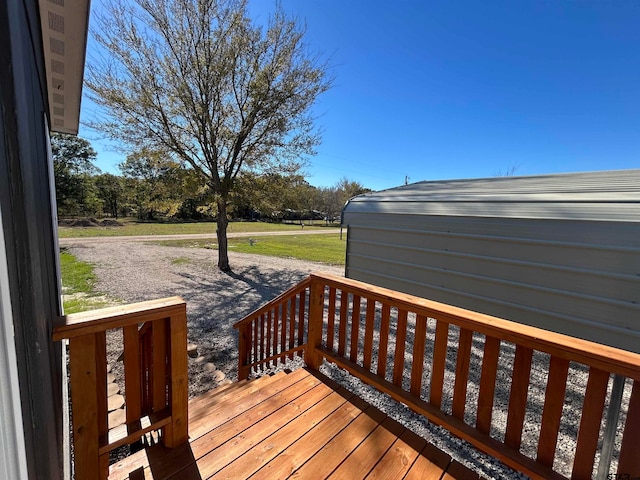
(221, 233)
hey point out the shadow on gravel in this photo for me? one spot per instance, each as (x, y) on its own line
(215, 302)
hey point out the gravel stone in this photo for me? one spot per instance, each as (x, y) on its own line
(115, 402)
(112, 389)
(192, 350)
(209, 367)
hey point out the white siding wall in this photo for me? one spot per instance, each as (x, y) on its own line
(576, 272)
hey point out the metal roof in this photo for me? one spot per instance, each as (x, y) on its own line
(606, 196)
(64, 37)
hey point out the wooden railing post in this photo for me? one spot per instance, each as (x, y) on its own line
(244, 346)
(313, 357)
(176, 432)
(101, 397)
(83, 372)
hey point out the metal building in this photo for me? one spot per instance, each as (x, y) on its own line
(561, 252)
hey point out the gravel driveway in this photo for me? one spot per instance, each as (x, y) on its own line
(137, 271)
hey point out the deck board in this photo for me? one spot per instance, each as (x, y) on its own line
(297, 425)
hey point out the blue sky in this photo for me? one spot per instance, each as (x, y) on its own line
(463, 89)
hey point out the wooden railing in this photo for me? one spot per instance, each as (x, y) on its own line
(413, 349)
(274, 332)
(155, 378)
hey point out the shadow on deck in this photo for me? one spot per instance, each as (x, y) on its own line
(299, 425)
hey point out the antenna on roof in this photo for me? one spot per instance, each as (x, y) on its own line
(406, 179)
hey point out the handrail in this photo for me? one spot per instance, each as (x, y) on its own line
(156, 383)
(410, 348)
(609, 358)
(273, 332)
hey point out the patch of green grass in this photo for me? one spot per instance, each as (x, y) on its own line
(84, 304)
(180, 261)
(78, 285)
(130, 228)
(77, 276)
(325, 248)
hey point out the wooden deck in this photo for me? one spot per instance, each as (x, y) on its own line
(299, 425)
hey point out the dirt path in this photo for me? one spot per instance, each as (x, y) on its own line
(193, 236)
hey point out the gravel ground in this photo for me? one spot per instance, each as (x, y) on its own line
(135, 271)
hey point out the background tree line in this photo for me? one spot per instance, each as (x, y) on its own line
(151, 186)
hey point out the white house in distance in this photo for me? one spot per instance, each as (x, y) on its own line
(560, 252)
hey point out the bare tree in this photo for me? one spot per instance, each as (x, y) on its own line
(509, 172)
(201, 80)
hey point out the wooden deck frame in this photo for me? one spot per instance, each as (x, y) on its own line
(340, 344)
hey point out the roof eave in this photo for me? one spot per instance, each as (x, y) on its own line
(64, 35)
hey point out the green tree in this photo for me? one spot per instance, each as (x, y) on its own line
(158, 185)
(273, 193)
(349, 188)
(209, 86)
(331, 202)
(110, 190)
(73, 166)
(151, 184)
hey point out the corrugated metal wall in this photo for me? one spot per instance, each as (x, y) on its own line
(561, 252)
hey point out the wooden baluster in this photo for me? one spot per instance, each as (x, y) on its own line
(301, 312)
(355, 329)
(417, 365)
(132, 374)
(589, 432)
(518, 396)
(268, 337)
(274, 343)
(331, 320)
(256, 339)
(82, 369)
(292, 322)
(439, 363)
(342, 331)
(101, 398)
(463, 359)
(177, 432)
(629, 460)
(142, 372)
(552, 412)
(244, 353)
(487, 384)
(261, 341)
(147, 352)
(283, 332)
(159, 368)
(147, 377)
(384, 340)
(401, 340)
(368, 333)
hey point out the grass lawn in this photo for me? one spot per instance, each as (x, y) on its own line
(131, 227)
(325, 248)
(78, 281)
